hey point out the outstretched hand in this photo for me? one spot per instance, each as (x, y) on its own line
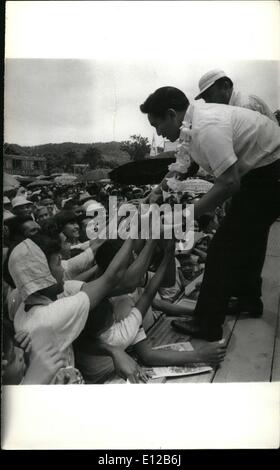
(23, 341)
(45, 359)
(127, 368)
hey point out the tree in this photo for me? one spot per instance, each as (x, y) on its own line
(55, 163)
(93, 157)
(110, 164)
(69, 159)
(137, 147)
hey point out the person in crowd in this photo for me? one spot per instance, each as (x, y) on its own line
(128, 331)
(22, 206)
(47, 302)
(41, 214)
(216, 87)
(7, 204)
(50, 205)
(67, 224)
(23, 365)
(241, 148)
(84, 220)
(73, 205)
(21, 227)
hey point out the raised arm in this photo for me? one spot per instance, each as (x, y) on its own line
(99, 288)
(137, 269)
(150, 291)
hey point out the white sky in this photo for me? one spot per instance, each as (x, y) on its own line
(94, 63)
(92, 101)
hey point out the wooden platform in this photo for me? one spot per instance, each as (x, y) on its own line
(253, 353)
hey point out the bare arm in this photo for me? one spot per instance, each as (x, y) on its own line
(174, 310)
(209, 353)
(125, 366)
(150, 291)
(137, 269)
(88, 275)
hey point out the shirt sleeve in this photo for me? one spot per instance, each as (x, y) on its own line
(67, 318)
(257, 104)
(126, 332)
(77, 265)
(71, 288)
(216, 145)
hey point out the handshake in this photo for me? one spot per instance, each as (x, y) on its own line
(157, 222)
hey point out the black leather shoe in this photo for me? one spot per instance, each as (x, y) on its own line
(252, 309)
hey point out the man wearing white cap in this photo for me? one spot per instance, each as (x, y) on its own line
(22, 207)
(216, 87)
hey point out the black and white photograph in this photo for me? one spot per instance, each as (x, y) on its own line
(141, 225)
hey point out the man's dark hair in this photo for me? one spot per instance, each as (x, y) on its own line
(163, 99)
(68, 206)
(15, 226)
(49, 246)
(64, 217)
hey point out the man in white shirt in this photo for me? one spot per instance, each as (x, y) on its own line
(241, 148)
(216, 87)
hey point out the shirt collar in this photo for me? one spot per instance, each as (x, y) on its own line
(233, 97)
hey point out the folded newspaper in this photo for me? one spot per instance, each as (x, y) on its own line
(173, 371)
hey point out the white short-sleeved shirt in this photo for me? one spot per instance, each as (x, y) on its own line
(223, 135)
(126, 332)
(65, 319)
(253, 102)
(78, 264)
(170, 293)
(14, 298)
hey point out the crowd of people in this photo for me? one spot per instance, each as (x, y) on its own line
(77, 308)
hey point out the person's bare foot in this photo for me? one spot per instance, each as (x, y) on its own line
(212, 353)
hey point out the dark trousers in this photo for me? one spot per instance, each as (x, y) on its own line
(237, 252)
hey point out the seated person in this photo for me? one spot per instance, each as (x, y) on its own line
(34, 267)
(41, 214)
(36, 364)
(129, 332)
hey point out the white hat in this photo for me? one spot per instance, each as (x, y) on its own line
(91, 206)
(6, 200)
(20, 201)
(84, 197)
(208, 79)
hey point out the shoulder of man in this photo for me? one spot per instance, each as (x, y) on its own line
(258, 104)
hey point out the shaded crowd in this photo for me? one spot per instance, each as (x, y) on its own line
(78, 310)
